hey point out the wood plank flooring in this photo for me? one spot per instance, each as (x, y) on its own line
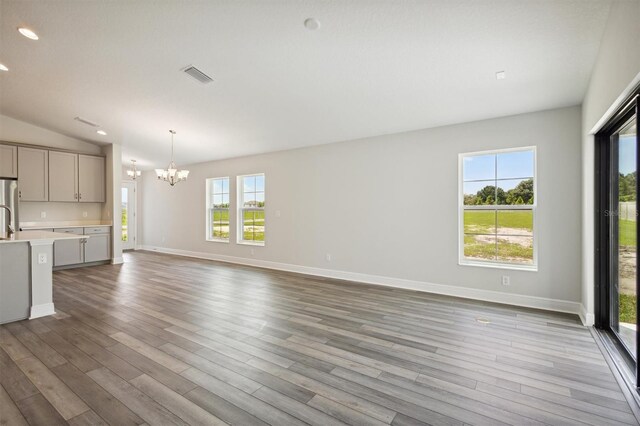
(171, 340)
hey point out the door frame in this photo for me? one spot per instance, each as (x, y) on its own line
(606, 191)
(133, 245)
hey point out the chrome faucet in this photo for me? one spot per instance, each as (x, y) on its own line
(11, 229)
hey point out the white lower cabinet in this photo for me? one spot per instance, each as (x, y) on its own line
(68, 252)
(95, 248)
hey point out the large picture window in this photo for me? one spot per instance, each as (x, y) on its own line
(497, 208)
(251, 199)
(218, 209)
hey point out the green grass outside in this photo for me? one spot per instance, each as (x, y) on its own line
(253, 225)
(484, 222)
(505, 251)
(627, 233)
(627, 307)
(125, 235)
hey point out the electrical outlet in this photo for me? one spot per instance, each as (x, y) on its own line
(84, 214)
(506, 280)
(43, 215)
(253, 252)
(327, 257)
(42, 258)
(163, 238)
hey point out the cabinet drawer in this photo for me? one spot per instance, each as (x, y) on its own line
(76, 231)
(97, 230)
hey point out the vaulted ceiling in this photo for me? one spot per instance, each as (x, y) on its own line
(373, 67)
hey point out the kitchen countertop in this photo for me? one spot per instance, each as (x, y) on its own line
(28, 236)
(63, 224)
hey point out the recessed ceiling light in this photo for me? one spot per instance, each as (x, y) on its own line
(102, 132)
(28, 33)
(3, 67)
(501, 75)
(312, 24)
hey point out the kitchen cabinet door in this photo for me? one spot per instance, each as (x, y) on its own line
(8, 161)
(33, 174)
(97, 248)
(68, 252)
(63, 176)
(91, 179)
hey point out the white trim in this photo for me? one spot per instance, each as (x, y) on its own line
(240, 210)
(449, 290)
(135, 213)
(43, 310)
(120, 260)
(209, 208)
(587, 318)
(615, 105)
(462, 260)
(251, 243)
(499, 265)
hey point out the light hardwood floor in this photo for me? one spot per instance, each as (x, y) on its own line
(166, 339)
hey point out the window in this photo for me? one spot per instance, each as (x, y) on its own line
(218, 209)
(251, 209)
(497, 208)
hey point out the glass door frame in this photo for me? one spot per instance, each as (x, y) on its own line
(132, 187)
(606, 230)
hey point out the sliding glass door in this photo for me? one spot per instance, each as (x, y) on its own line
(617, 199)
(623, 289)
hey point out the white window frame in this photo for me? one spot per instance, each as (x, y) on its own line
(210, 209)
(462, 260)
(241, 209)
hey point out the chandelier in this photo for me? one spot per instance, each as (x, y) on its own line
(171, 174)
(133, 173)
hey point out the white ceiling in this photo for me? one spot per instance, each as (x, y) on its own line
(374, 67)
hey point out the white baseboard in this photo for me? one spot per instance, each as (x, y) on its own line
(43, 310)
(117, 260)
(448, 290)
(587, 318)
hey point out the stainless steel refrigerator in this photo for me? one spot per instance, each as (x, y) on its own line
(8, 197)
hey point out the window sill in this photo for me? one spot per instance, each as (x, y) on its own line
(508, 266)
(216, 240)
(251, 243)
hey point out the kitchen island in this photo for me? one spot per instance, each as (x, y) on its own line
(26, 275)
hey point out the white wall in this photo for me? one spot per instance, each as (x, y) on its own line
(55, 212)
(387, 207)
(616, 71)
(12, 130)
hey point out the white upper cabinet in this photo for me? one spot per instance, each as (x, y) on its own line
(33, 174)
(91, 179)
(8, 161)
(63, 176)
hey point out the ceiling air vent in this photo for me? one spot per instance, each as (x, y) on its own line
(197, 74)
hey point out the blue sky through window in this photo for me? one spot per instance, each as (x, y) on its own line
(627, 154)
(506, 165)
